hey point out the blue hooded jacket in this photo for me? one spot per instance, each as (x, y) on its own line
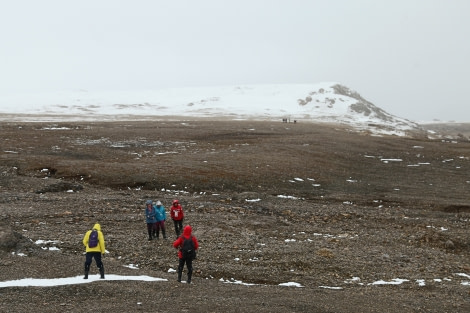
(150, 212)
(160, 212)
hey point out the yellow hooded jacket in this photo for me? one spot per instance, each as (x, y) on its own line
(100, 247)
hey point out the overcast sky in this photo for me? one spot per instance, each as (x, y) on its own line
(408, 57)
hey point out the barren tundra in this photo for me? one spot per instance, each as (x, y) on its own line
(290, 217)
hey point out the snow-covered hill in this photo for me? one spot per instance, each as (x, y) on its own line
(324, 102)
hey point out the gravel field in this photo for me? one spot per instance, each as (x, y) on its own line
(290, 217)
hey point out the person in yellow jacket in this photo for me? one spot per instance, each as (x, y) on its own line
(95, 247)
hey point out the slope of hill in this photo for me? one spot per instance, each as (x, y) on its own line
(324, 102)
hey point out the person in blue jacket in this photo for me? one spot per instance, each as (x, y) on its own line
(160, 215)
(150, 218)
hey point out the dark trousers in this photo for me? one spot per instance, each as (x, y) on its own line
(89, 258)
(151, 229)
(160, 225)
(178, 227)
(189, 265)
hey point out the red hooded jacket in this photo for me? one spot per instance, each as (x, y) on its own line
(176, 211)
(179, 242)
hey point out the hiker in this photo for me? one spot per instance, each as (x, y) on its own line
(187, 245)
(150, 218)
(95, 247)
(177, 215)
(160, 215)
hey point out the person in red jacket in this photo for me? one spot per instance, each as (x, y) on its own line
(177, 215)
(187, 246)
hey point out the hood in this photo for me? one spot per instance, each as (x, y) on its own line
(148, 202)
(187, 231)
(97, 227)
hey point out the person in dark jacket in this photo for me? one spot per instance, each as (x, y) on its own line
(150, 219)
(179, 244)
(177, 215)
(94, 252)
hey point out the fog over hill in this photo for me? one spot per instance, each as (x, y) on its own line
(323, 102)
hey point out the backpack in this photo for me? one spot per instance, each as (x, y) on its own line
(93, 240)
(187, 248)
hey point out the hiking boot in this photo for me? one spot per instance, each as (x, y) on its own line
(87, 270)
(102, 272)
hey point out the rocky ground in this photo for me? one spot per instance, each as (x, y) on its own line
(341, 214)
